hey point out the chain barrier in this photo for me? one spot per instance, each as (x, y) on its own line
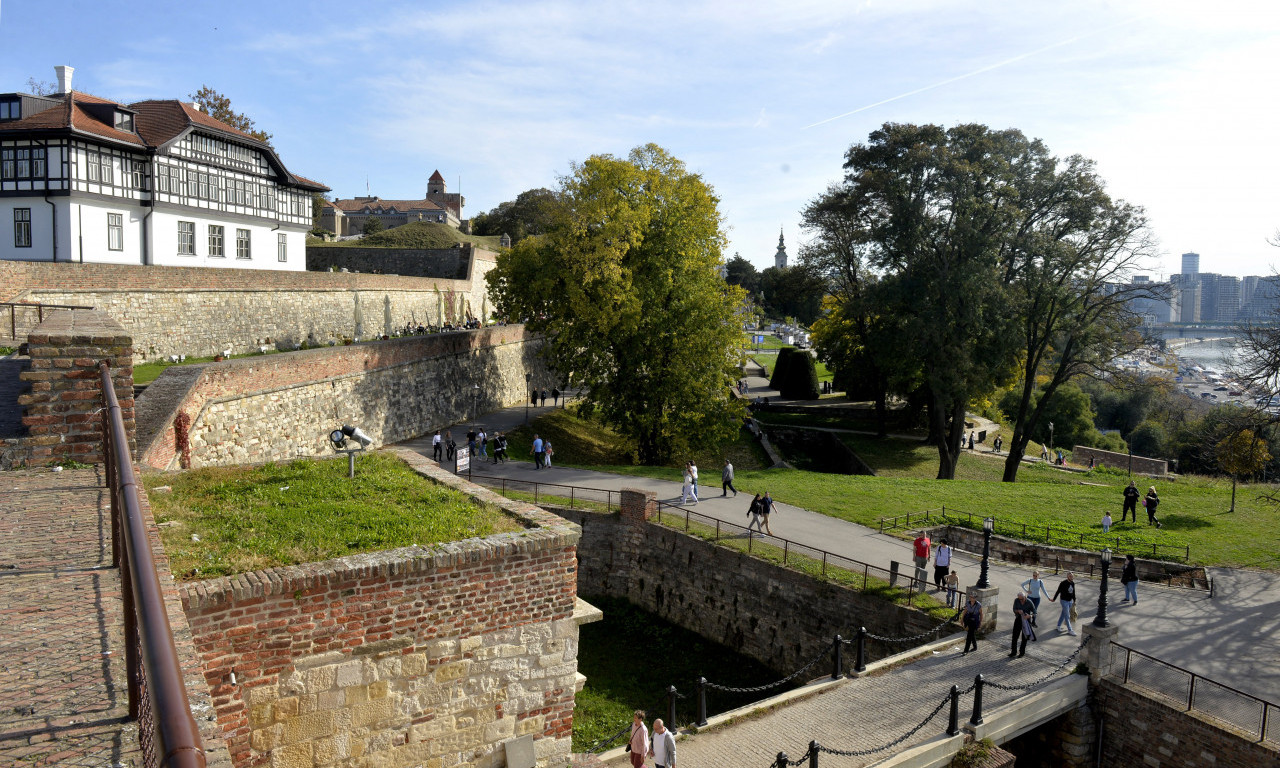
(1052, 672)
(624, 729)
(758, 688)
(912, 638)
(864, 752)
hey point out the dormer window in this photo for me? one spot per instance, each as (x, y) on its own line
(10, 109)
(124, 121)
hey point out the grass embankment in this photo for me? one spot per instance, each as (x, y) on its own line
(228, 520)
(149, 372)
(1194, 509)
(417, 234)
(769, 361)
(631, 656)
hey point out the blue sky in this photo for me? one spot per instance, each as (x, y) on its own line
(1176, 101)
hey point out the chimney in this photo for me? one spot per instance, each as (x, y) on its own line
(194, 105)
(64, 77)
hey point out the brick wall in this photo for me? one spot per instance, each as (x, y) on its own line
(418, 656)
(201, 312)
(283, 406)
(778, 616)
(1141, 464)
(1139, 730)
(61, 414)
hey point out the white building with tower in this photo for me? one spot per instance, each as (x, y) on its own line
(780, 258)
(158, 182)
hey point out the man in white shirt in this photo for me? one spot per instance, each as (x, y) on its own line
(663, 746)
(435, 446)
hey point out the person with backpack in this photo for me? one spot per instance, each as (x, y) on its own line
(971, 618)
(1129, 578)
(753, 512)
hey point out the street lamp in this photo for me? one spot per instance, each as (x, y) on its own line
(475, 401)
(527, 378)
(1101, 619)
(1051, 437)
(988, 525)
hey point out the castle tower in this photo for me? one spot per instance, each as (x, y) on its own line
(435, 184)
(780, 258)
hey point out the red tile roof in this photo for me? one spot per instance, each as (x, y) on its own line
(71, 113)
(349, 206)
(436, 176)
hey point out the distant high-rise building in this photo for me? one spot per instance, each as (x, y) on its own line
(780, 258)
(1219, 297)
(1190, 263)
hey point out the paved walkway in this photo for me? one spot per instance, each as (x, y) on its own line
(62, 678)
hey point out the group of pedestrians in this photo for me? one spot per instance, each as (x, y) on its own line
(1150, 502)
(542, 453)
(662, 747)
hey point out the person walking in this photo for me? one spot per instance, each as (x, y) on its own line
(766, 509)
(686, 487)
(1151, 501)
(547, 450)
(953, 587)
(482, 440)
(499, 447)
(971, 618)
(538, 455)
(1129, 578)
(920, 549)
(693, 470)
(1131, 495)
(1106, 522)
(971, 441)
(663, 748)
(941, 563)
(450, 447)
(1023, 611)
(555, 396)
(639, 744)
(544, 398)
(726, 480)
(753, 512)
(1044, 454)
(1067, 595)
(1034, 587)
(437, 446)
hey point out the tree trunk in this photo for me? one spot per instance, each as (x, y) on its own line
(882, 413)
(1233, 494)
(949, 424)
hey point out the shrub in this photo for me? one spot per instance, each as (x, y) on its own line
(795, 376)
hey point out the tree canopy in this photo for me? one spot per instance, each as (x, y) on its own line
(218, 106)
(532, 213)
(626, 286)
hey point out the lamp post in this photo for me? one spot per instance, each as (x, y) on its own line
(1051, 437)
(527, 378)
(1101, 619)
(475, 401)
(988, 525)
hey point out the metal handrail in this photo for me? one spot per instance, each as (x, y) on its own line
(1267, 709)
(574, 494)
(892, 523)
(40, 308)
(172, 739)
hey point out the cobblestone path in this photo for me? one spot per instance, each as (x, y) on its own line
(869, 712)
(63, 698)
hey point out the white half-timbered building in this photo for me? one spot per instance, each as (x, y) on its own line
(84, 179)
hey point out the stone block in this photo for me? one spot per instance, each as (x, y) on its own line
(292, 756)
(447, 672)
(306, 727)
(371, 712)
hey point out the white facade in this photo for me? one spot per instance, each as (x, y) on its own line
(203, 197)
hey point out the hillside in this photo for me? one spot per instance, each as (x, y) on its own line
(419, 234)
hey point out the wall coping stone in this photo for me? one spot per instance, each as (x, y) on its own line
(545, 532)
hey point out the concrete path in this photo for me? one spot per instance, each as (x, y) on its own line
(1233, 638)
(63, 699)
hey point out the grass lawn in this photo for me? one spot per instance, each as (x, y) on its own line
(1193, 509)
(149, 372)
(769, 361)
(631, 656)
(248, 518)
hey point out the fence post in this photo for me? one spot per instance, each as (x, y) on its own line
(1047, 528)
(781, 761)
(1191, 692)
(976, 719)
(813, 754)
(953, 722)
(572, 506)
(837, 669)
(860, 654)
(702, 702)
(671, 705)
(824, 564)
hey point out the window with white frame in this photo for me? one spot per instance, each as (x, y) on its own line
(282, 247)
(115, 231)
(21, 227)
(186, 238)
(8, 163)
(242, 244)
(215, 240)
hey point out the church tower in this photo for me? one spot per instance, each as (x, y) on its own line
(780, 258)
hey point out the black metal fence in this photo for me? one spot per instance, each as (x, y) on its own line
(1192, 692)
(167, 732)
(1044, 534)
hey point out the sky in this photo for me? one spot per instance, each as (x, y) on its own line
(1175, 101)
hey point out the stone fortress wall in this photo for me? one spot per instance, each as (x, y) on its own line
(283, 406)
(436, 655)
(199, 312)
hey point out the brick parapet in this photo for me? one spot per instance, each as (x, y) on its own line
(398, 658)
(1140, 464)
(61, 414)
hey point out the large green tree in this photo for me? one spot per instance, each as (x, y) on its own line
(532, 213)
(793, 292)
(739, 271)
(626, 286)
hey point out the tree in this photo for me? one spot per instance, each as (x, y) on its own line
(372, 225)
(218, 106)
(41, 87)
(532, 213)
(1241, 453)
(626, 286)
(739, 271)
(793, 292)
(317, 208)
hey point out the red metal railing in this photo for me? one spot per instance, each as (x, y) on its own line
(167, 732)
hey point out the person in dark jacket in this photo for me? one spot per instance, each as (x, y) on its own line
(1131, 495)
(1067, 594)
(1023, 610)
(1151, 502)
(971, 617)
(1129, 578)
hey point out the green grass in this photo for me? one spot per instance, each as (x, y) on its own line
(149, 372)
(248, 518)
(418, 234)
(768, 362)
(631, 656)
(6, 351)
